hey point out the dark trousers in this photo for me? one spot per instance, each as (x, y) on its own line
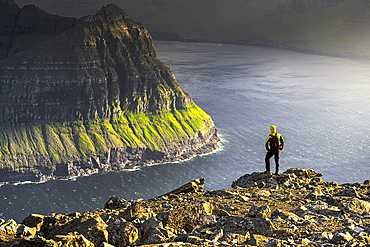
(269, 154)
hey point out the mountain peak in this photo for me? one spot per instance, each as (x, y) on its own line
(8, 2)
(111, 12)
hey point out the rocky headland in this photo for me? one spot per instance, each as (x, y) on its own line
(295, 208)
(328, 27)
(80, 96)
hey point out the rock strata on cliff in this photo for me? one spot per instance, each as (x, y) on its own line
(94, 98)
(295, 208)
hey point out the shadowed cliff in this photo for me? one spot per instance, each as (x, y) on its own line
(94, 98)
(23, 28)
(330, 27)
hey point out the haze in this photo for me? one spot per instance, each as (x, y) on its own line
(331, 27)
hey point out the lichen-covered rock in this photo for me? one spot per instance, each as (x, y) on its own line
(188, 215)
(341, 238)
(350, 192)
(71, 239)
(92, 228)
(258, 240)
(303, 173)
(210, 218)
(194, 186)
(233, 224)
(116, 203)
(258, 211)
(137, 210)
(316, 193)
(34, 221)
(292, 217)
(268, 180)
(122, 233)
(8, 230)
(156, 235)
(25, 231)
(355, 205)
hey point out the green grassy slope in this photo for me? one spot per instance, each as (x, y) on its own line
(23, 148)
(95, 98)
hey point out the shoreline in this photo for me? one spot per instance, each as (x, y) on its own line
(270, 44)
(134, 167)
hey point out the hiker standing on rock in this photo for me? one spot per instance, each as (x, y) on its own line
(274, 143)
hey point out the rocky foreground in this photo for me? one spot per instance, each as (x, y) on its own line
(295, 208)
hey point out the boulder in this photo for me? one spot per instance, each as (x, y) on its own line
(155, 235)
(92, 228)
(116, 203)
(137, 210)
(234, 224)
(235, 238)
(259, 211)
(288, 216)
(188, 215)
(316, 193)
(355, 205)
(268, 180)
(71, 239)
(34, 221)
(258, 240)
(350, 192)
(8, 230)
(121, 233)
(217, 235)
(341, 238)
(25, 231)
(207, 219)
(194, 186)
(303, 173)
(285, 232)
(262, 226)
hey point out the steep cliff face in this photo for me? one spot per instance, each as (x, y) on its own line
(23, 28)
(93, 98)
(9, 12)
(330, 27)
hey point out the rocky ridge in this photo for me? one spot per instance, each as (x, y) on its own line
(23, 28)
(92, 98)
(295, 208)
(326, 27)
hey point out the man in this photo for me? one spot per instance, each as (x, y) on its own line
(273, 144)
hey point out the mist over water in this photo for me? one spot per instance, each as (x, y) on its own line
(319, 104)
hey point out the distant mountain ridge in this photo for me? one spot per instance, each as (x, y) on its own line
(329, 27)
(94, 97)
(23, 28)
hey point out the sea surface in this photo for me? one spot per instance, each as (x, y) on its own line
(319, 104)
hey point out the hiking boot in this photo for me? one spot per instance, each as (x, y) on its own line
(267, 172)
(277, 173)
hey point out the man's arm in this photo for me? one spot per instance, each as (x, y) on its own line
(267, 143)
(282, 142)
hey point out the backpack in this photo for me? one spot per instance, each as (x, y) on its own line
(275, 142)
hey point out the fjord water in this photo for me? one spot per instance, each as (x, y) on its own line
(319, 104)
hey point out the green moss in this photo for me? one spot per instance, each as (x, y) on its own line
(64, 142)
(54, 146)
(82, 140)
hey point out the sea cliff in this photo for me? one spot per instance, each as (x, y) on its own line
(328, 27)
(91, 96)
(295, 208)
